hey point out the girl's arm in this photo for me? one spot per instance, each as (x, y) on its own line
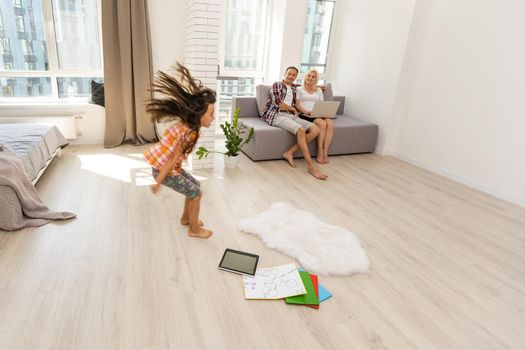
(166, 169)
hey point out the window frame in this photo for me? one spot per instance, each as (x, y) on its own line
(54, 72)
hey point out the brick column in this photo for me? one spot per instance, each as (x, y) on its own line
(201, 58)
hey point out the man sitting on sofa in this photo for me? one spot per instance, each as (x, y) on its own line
(281, 111)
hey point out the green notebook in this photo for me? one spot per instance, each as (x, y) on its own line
(310, 298)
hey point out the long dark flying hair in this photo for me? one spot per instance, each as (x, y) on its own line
(185, 98)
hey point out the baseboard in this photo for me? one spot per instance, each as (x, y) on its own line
(486, 189)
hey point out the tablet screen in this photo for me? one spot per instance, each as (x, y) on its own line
(240, 262)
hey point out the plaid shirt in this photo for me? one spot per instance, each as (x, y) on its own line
(277, 94)
(172, 139)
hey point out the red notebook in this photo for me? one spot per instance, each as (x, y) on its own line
(315, 282)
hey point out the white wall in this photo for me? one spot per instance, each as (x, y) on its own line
(369, 47)
(167, 21)
(91, 126)
(460, 107)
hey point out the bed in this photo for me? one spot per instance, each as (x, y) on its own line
(35, 143)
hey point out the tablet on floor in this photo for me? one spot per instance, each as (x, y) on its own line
(239, 262)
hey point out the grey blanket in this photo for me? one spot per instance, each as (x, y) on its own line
(20, 204)
(34, 143)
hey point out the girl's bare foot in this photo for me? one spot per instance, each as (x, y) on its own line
(289, 158)
(200, 233)
(322, 160)
(317, 173)
(184, 221)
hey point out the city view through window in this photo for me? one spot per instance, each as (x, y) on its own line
(317, 35)
(60, 61)
(243, 53)
(56, 61)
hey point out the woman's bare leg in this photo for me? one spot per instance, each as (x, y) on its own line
(321, 124)
(328, 138)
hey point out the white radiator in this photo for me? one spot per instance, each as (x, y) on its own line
(66, 124)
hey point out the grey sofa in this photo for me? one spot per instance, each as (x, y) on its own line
(351, 135)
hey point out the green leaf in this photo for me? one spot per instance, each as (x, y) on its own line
(202, 152)
(232, 133)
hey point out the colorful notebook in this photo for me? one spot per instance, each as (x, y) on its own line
(310, 298)
(323, 293)
(315, 282)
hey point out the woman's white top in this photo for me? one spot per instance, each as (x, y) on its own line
(308, 100)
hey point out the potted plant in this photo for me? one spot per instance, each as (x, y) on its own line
(234, 142)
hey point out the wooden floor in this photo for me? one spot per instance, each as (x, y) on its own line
(448, 262)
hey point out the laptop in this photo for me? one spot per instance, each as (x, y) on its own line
(325, 109)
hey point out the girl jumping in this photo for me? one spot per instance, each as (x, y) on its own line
(186, 100)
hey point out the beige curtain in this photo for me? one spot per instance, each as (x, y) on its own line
(127, 72)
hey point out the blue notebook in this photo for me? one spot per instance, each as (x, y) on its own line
(323, 292)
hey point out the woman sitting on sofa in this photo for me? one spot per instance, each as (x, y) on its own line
(307, 94)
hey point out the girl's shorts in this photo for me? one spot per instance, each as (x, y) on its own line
(184, 183)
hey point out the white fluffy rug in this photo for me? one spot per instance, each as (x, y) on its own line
(319, 247)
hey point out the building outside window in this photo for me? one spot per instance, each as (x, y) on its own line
(317, 35)
(6, 49)
(49, 62)
(30, 66)
(245, 34)
(243, 53)
(20, 23)
(1, 23)
(229, 87)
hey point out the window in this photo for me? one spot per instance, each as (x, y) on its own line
(245, 33)
(30, 66)
(20, 26)
(27, 47)
(49, 62)
(317, 35)
(31, 17)
(6, 48)
(76, 36)
(228, 87)
(242, 52)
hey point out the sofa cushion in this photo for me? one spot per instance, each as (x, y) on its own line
(328, 94)
(262, 92)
